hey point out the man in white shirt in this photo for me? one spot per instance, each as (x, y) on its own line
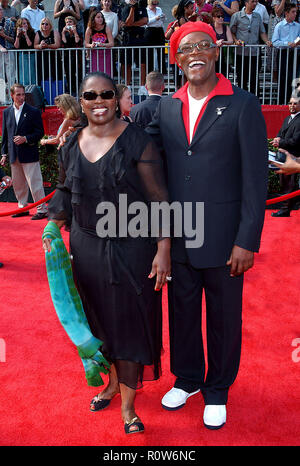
(22, 128)
(262, 11)
(33, 14)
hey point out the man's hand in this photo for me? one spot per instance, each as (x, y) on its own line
(20, 140)
(240, 261)
(275, 142)
(290, 166)
(3, 160)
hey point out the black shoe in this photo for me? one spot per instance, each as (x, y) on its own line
(39, 216)
(1, 265)
(21, 214)
(281, 213)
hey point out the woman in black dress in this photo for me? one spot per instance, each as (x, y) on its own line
(103, 162)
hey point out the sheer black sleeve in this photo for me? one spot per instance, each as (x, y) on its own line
(60, 207)
(151, 172)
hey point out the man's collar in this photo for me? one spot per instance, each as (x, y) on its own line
(223, 87)
(284, 22)
(20, 108)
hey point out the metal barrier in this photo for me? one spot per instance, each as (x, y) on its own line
(265, 71)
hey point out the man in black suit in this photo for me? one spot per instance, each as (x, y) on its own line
(21, 131)
(213, 138)
(142, 113)
(288, 138)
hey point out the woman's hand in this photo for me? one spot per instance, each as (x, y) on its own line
(47, 241)
(63, 138)
(161, 265)
(291, 165)
(47, 244)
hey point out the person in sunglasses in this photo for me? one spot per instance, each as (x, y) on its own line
(119, 276)
(49, 65)
(214, 140)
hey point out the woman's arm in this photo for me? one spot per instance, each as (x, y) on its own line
(76, 12)
(64, 127)
(279, 8)
(234, 7)
(57, 41)
(229, 38)
(87, 38)
(37, 44)
(57, 12)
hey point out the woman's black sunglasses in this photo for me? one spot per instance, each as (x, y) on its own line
(92, 95)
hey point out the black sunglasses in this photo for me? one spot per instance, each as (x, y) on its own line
(92, 95)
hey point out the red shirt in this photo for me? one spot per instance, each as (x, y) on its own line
(223, 87)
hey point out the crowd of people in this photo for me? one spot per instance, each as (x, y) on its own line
(99, 25)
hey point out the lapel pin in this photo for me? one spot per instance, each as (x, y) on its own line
(219, 110)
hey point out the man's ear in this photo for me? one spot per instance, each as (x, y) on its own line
(217, 53)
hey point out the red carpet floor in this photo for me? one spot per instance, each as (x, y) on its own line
(44, 399)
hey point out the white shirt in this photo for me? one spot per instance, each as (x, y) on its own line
(262, 11)
(195, 107)
(292, 116)
(34, 16)
(18, 112)
(152, 22)
(112, 22)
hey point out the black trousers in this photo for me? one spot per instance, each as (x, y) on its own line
(289, 183)
(223, 296)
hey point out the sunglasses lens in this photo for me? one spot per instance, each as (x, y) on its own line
(107, 95)
(89, 95)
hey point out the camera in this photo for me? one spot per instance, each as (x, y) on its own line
(278, 157)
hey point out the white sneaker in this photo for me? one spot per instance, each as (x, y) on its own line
(214, 416)
(176, 398)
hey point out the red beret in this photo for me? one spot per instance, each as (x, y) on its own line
(184, 30)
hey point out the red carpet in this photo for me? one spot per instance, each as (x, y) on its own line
(44, 399)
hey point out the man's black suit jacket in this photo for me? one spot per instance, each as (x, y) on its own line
(225, 166)
(30, 125)
(143, 112)
(289, 134)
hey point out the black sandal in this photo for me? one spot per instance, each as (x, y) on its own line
(139, 426)
(99, 403)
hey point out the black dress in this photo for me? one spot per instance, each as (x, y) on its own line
(111, 273)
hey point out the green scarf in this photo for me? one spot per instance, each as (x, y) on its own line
(69, 309)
